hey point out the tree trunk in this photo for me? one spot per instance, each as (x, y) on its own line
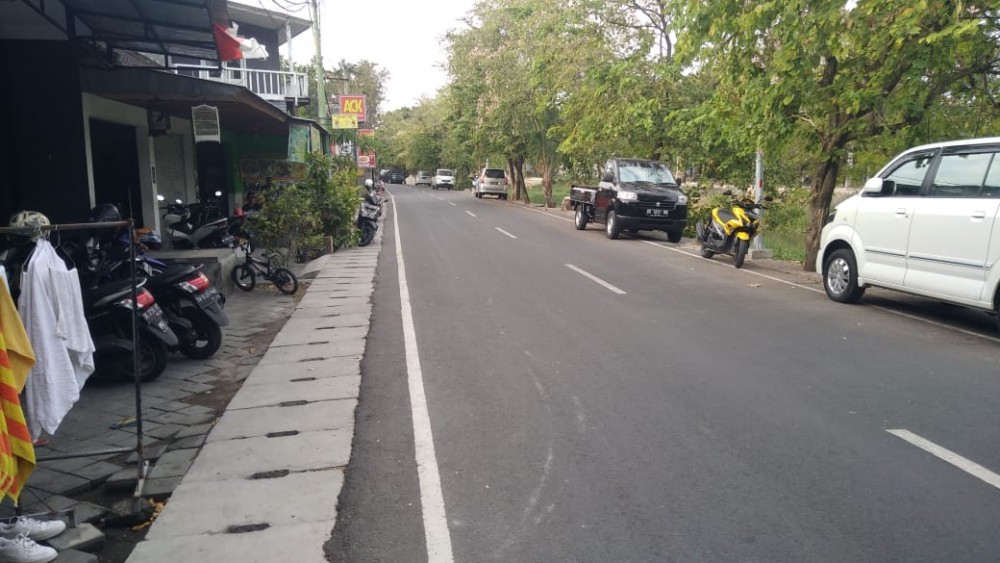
(512, 174)
(548, 171)
(519, 172)
(823, 183)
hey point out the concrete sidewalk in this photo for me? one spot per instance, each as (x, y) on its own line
(264, 487)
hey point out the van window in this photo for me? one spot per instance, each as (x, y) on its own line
(495, 173)
(909, 176)
(445, 172)
(961, 175)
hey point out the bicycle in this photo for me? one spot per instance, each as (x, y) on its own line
(245, 275)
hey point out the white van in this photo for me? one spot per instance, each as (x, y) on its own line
(926, 224)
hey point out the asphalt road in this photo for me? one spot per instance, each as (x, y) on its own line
(672, 409)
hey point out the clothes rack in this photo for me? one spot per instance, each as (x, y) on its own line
(128, 224)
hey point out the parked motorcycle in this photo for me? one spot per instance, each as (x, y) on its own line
(191, 306)
(108, 308)
(368, 215)
(196, 226)
(729, 231)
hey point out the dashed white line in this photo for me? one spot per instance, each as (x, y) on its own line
(471, 214)
(800, 286)
(965, 464)
(504, 232)
(453, 204)
(436, 533)
(596, 279)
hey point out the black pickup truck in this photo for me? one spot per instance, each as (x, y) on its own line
(634, 195)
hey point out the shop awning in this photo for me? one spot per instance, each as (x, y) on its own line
(166, 27)
(240, 110)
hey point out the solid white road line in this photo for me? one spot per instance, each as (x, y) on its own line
(967, 465)
(504, 232)
(595, 279)
(470, 213)
(436, 532)
(800, 286)
(452, 203)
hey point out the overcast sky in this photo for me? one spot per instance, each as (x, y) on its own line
(402, 36)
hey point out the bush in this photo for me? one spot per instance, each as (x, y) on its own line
(294, 219)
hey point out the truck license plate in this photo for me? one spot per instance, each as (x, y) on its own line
(657, 212)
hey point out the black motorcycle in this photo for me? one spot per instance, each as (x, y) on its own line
(108, 308)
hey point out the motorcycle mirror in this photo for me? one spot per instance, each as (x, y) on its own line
(768, 198)
(727, 192)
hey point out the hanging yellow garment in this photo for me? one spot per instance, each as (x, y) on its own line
(19, 350)
(17, 455)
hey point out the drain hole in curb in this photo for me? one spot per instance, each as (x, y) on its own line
(301, 379)
(271, 474)
(331, 315)
(247, 528)
(312, 360)
(282, 434)
(326, 328)
(293, 403)
(318, 343)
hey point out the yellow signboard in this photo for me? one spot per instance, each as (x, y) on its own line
(344, 121)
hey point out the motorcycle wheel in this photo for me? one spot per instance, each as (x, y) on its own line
(742, 246)
(285, 281)
(205, 337)
(367, 234)
(243, 277)
(152, 361)
(614, 230)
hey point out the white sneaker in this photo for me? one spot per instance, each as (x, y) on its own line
(37, 530)
(23, 549)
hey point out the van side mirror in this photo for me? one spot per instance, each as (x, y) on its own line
(877, 187)
(608, 177)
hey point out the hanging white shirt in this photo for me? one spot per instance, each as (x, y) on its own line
(51, 307)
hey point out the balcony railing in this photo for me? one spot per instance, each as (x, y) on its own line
(272, 85)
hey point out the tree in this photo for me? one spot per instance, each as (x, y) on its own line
(829, 74)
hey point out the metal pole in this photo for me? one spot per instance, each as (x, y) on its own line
(758, 193)
(320, 86)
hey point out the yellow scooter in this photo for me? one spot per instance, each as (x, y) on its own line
(730, 230)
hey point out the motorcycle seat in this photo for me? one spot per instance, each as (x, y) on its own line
(171, 275)
(110, 291)
(725, 215)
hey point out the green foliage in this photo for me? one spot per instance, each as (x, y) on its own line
(297, 217)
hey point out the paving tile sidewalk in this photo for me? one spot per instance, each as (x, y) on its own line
(178, 409)
(264, 487)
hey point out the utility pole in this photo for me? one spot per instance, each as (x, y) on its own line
(758, 193)
(320, 86)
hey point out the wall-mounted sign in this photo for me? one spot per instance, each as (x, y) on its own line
(366, 159)
(366, 132)
(353, 105)
(205, 123)
(344, 121)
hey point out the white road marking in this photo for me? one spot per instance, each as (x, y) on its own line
(452, 203)
(967, 465)
(470, 213)
(931, 322)
(504, 232)
(595, 279)
(441, 198)
(436, 533)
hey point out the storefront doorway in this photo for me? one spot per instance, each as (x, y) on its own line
(212, 175)
(116, 167)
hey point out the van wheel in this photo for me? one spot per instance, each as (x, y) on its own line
(840, 277)
(580, 219)
(613, 228)
(674, 236)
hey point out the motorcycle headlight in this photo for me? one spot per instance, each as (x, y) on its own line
(682, 199)
(627, 196)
